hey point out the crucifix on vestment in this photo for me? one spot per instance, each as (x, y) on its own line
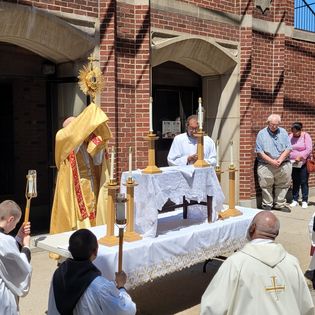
(275, 288)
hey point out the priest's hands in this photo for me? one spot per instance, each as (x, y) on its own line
(120, 279)
(192, 158)
(23, 235)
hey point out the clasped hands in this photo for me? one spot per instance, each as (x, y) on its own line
(192, 158)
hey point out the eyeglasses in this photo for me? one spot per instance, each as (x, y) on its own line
(273, 125)
(192, 129)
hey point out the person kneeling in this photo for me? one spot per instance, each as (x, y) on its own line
(77, 285)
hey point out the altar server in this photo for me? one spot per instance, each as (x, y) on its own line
(262, 278)
(78, 288)
(15, 269)
(81, 159)
(184, 147)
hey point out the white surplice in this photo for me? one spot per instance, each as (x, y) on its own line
(101, 297)
(15, 275)
(261, 279)
(184, 146)
(311, 227)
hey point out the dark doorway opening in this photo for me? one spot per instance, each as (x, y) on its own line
(175, 97)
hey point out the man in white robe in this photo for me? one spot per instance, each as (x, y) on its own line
(78, 288)
(262, 278)
(15, 269)
(184, 147)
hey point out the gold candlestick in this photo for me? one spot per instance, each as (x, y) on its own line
(110, 239)
(130, 234)
(151, 168)
(200, 150)
(231, 212)
(218, 172)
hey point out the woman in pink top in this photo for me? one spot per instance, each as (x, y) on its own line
(301, 149)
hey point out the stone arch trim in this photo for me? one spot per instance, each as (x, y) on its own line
(43, 33)
(203, 56)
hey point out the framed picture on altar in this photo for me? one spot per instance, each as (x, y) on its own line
(170, 129)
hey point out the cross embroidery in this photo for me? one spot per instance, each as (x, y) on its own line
(276, 288)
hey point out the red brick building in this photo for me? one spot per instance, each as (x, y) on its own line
(244, 58)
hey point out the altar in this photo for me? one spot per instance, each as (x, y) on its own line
(153, 190)
(179, 243)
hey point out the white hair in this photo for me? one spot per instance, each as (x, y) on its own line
(274, 117)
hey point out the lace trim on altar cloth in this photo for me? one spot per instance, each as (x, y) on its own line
(177, 263)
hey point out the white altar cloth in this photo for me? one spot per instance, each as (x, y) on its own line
(179, 244)
(173, 183)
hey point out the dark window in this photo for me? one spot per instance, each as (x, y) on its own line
(6, 141)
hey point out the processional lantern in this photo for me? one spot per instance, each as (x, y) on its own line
(121, 223)
(30, 191)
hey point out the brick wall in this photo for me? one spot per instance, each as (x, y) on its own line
(125, 55)
(299, 93)
(80, 7)
(276, 73)
(193, 25)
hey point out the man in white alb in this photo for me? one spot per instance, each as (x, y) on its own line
(262, 278)
(78, 288)
(184, 147)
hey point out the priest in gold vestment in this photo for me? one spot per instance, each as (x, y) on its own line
(82, 161)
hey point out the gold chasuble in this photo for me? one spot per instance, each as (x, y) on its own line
(82, 162)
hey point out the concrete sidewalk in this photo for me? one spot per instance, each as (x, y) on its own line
(169, 295)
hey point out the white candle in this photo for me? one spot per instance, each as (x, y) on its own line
(200, 113)
(231, 152)
(112, 157)
(130, 162)
(218, 153)
(30, 185)
(150, 115)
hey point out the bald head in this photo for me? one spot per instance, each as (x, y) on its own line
(68, 121)
(264, 225)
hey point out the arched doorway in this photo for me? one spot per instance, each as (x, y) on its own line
(207, 67)
(187, 67)
(39, 58)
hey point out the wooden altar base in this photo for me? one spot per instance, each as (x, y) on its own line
(109, 240)
(171, 206)
(132, 236)
(229, 213)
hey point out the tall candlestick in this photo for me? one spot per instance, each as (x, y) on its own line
(130, 163)
(200, 113)
(218, 153)
(231, 152)
(150, 114)
(112, 157)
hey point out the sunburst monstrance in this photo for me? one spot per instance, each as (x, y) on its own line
(90, 79)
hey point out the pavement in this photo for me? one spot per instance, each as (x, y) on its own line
(178, 293)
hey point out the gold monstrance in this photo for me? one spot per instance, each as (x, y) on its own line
(90, 79)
